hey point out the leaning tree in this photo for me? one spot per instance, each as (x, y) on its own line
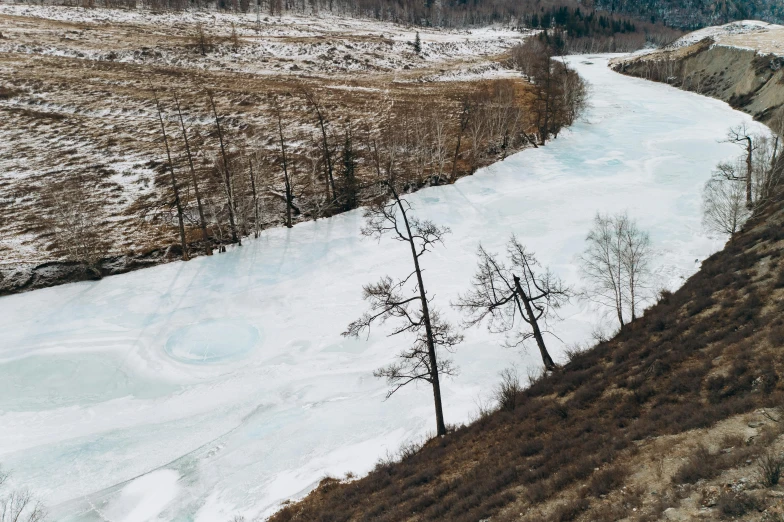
(407, 303)
(517, 298)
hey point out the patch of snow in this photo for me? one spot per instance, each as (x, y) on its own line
(722, 33)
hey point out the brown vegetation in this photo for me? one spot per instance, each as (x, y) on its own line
(94, 118)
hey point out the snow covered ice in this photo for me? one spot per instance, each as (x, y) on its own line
(221, 386)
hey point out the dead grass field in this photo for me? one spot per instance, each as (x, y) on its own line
(76, 97)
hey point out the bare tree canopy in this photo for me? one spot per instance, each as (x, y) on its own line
(739, 188)
(75, 222)
(518, 299)
(616, 264)
(406, 301)
(724, 207)
(19, 505)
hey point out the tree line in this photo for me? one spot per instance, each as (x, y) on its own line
(576, 20)
(219, 180)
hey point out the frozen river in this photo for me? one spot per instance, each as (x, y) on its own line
(221, 386)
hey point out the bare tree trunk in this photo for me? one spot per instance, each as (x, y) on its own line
(465, 115)
(453, 175)
(328, 172)
(749, 170)
(546, 359)
(440, 426)
(229, 194)
(202, 220)
(255, 201)
(176, 190)
(286, 180)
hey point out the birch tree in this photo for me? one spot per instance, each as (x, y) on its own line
(616, 265)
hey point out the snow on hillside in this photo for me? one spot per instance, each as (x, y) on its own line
(318, 44)
(747, 34)
(219, 387)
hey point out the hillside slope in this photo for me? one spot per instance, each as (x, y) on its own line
(740, 63)
(667, 421)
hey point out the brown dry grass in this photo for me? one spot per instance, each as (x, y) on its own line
(89, 115)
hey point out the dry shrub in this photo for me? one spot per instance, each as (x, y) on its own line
(569, 510)
(611, 511)
(700, 465)
(732, 504)
(507, 392)
(608, 479)
(770, 466)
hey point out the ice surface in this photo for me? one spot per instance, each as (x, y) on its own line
(212, 341)
(221, 386)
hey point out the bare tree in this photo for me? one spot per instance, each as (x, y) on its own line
(255, 200)
(476, 131)
(407, 301)
(19, 506)
(349, 190)
(75, 222)
(636, 254)
(741, 135)
(226, 172)
(439, 145)
(327, 152)
(513, 295)
(723, 204)
(616, 264)
(766, 169)
(575, 95)
(173, 179)
(289, 194)
(194, 180)
(601, 264)
(464, 120)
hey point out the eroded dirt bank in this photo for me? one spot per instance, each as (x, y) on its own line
(746, 78)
